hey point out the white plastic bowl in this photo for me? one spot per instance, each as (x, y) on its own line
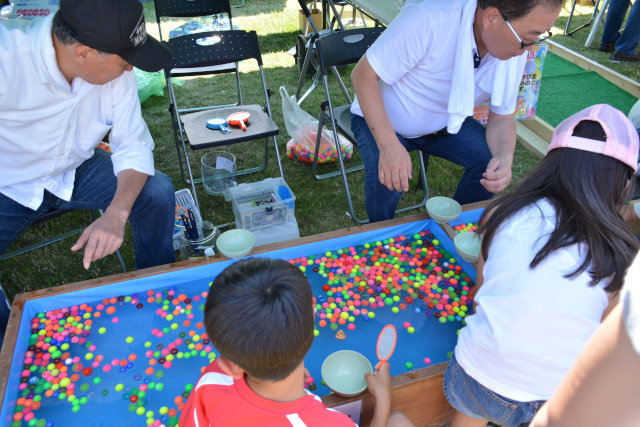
(443, 209)
(468, 245)
(343, 372)
(236, 243)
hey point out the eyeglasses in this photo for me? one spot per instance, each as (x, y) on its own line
(524, 45)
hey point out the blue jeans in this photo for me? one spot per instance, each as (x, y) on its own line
(468, 396)
(628, 41)
(151, 218)
(468, 148)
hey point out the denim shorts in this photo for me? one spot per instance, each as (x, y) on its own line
(468, 396)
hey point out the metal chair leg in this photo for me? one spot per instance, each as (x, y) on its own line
(573, 6)
(594, 29)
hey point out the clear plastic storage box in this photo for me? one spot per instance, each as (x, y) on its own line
(262, 204)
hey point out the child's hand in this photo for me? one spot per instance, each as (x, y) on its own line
(379, 384)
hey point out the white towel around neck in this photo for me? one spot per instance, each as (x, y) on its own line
(498, 83)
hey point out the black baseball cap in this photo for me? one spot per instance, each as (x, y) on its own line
(115, 26)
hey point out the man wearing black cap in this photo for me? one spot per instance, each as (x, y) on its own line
(65, 81)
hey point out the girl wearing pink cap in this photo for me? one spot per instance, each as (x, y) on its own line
(554, 254)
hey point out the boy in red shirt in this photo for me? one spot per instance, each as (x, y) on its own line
(259, 316)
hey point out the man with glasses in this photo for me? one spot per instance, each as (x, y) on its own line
(417, 85)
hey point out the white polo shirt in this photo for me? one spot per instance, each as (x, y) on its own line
(48, 128)
(415, 58)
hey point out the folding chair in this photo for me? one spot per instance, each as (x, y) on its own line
(211, 49)
(343, 48)
(192, 9)
(306, 44)
(586, 24)
(337, 19)
(55, 213)
(195, 9)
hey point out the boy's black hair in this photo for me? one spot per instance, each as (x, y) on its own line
(259, 315)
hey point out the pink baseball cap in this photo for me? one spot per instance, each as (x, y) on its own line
(622, 137)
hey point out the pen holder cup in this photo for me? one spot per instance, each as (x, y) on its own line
(195, 248)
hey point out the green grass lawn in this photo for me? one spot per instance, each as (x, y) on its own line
(320, 206)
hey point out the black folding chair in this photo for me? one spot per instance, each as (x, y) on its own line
(206, 10)
(306, 50)
(336, 49)
(211, 49)
(55, 213)
(196, 9)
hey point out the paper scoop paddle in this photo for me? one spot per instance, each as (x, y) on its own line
(386, 343)
(238, 119)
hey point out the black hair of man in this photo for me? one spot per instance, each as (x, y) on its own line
(515, 9)
(259, 315)
(62, 31)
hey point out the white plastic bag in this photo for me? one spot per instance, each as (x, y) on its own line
(302, 127)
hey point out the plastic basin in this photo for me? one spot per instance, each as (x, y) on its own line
(468, 245)
(343, 372)
(236, 243)
(443, 209)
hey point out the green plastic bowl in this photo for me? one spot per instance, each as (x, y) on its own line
(236, 243)
(343, 372)
(468, 245)
(443, 209)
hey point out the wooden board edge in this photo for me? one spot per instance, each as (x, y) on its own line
(540, 127)
(9, 344)
(531, 140)
(419, 394)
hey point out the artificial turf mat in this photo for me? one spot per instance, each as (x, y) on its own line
(566, 89)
